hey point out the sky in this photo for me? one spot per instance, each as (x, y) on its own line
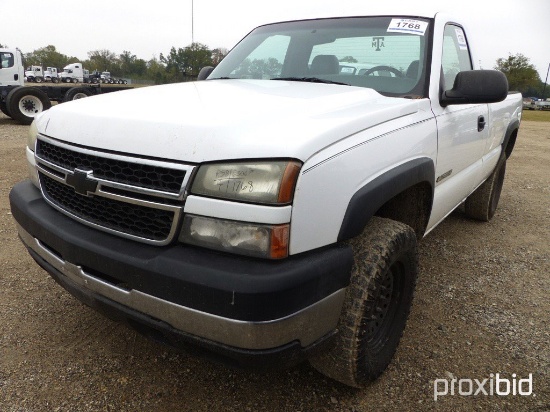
(497, 28)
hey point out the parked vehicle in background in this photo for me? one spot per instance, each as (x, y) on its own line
(72, 73)
(24, 103)
(34, 74)
(103, 77)
(534, 103)
(542, 104)
(106, 78)
(94, 77)
(51, 75)
(37, 75)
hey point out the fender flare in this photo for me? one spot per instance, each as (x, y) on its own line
(371, 197)
(512, 127)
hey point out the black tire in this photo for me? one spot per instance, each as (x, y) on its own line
(55, 80)
(75, 80)
(38, 79)
(482, 204)
(4, 108)
(25, 103)
(76, 93)
(377, 304)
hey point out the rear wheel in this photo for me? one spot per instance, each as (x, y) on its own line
(25, 103)
(38, 79)
(482, 204)
(76, 93)
(377, 304)
(75, 80)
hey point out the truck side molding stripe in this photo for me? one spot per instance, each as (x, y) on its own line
(367, 200)
(365, 142)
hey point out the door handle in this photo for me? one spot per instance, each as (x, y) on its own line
(481, 123)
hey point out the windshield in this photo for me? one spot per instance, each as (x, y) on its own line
(387, 54)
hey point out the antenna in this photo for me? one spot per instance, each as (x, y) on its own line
(192, 22)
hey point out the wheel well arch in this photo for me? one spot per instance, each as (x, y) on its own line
(391, 195)
(510, 138)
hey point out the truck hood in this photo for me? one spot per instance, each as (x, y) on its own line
(222, 119)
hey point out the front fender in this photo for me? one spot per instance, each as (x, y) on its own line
(371, 197)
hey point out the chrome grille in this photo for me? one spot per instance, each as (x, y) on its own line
(132, 197)
(154, 224)
(116, 170)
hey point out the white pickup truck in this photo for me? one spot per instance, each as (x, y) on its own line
(271, 211)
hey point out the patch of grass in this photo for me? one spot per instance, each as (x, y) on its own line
(536, 115)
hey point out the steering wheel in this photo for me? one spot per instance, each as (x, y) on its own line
(393, 70)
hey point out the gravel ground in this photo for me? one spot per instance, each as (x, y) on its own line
(481, 308)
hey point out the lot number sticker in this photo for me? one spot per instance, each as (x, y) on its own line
(461, 39)
(409, 26)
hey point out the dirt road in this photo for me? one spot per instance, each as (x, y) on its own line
(482, 307)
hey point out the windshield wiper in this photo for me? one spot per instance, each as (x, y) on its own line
(309, 79)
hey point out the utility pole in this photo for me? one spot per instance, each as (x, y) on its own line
(192, 22)
(546, 81)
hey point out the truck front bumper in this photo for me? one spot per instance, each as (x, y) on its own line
(238, 307)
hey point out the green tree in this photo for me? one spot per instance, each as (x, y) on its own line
(187, 62)
(521, 74)
(218, 54)
(101, 60)
(196, 56)
(348, 59)
(156, 71)
(130, 65)
(259, 68)
(48, 56)
(173, 64)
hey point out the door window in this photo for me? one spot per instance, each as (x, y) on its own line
(456, 55)
(7, 60)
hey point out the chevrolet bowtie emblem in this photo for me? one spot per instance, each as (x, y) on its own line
(81, 182)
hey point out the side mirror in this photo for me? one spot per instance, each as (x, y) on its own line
(205, 72)
(476, 86)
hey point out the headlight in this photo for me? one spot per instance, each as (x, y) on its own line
(259, 182)
(33, 134)
(250, 239)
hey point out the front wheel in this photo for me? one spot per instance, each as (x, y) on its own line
(25, 103)
(377, 304)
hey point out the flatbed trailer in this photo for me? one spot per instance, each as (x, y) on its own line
(23, 103)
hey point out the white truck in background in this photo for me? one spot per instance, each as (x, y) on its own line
(275, 217)
(73, 73)
(36, 74)
(23, 102)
